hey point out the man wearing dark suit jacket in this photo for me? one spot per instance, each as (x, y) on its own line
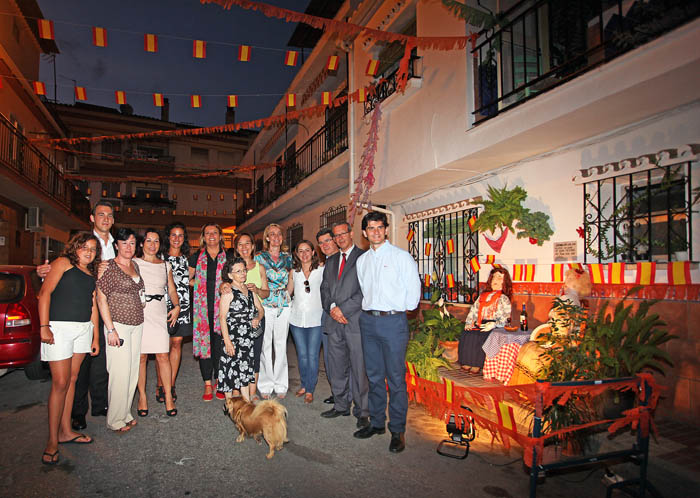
(342, 301)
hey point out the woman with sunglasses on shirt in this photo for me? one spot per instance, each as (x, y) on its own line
(305, 315)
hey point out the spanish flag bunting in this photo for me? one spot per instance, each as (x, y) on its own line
(450, 281)
(518, 273)
(361, 95)
(449, 390)
(80, 93)
(428, 245)
(646, 273)
(120, 97)
(450, 246)
(46, 29)
(412, 372)
(99, 37)
(332, 64)
(471, 222)
(291, 99)
(490, 259)
(158, 99)
(39, 88)
(575, 266)
(244, 53)
(195, 101)
(426, 280)
(596, 271)
(474, 263)
(372, 67)
(326, 98)
(679, 273)
(411, 233)
(496, 265)
(290, 59)
(558, 272)
(616, 273)
(150, 43)
(529, 273)
(199, 49)
(233, 100)
(506, 418)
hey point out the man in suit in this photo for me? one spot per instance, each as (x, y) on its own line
(324, 237)
(342, 301)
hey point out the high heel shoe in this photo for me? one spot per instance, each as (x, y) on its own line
(142, 413)
(173, 393)
(160, 394)
(171, 413)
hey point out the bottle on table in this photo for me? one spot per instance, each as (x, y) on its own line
(523, 319)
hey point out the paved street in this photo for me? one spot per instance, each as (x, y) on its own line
(194, 454)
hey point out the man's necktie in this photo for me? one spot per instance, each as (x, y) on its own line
(342, 266)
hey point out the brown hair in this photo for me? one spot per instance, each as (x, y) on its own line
(315, 262)
(78, 240)
(202, 242)
(507, 282)
(238, 238)
(266, 243)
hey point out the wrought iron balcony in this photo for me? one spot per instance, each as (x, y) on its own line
(386, 83)
(544, 43)
(326, 144)
(25, 160)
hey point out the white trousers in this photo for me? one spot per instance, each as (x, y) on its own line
(123, 368)
(274, 376)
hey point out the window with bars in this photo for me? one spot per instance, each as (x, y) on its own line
(641, 216)
(443, 246)
(336, 214)
(295, 234)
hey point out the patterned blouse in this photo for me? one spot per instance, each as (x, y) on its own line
(181, 276)
(499, 311)
(123, 294)
(277, 275)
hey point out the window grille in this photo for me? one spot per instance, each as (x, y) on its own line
(444, 245)
(336, 214)
(642, 216)
(295, 234)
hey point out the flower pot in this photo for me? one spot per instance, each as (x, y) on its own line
(451, 350)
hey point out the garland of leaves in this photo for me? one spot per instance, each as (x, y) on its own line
(365, 176)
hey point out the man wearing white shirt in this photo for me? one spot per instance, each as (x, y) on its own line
(390, 286)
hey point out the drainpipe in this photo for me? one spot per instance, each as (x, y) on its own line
(350, 63)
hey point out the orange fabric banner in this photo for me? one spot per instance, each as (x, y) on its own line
(290, 58)
(332, 64)
(372, 66)
(46, 29)
(474, 263)
(646, 273)
(616, 273)
(244, 53)
(558, 272)
(199, 49)
(99, 37)
(450, 246)
(596, 271)
(80, 93)
(233, 100)
(196, 101)
(150, 43)
(679, 272)
(158, 99)
(120, 97)
(39, 88)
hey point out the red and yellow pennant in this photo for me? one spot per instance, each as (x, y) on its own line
(679, 273)
(46, 29)
(474, 263)
(616, 273)
(506, 417)
(332, 64)
(232, 101)
(518, 272)
(361, 95)
(39, 88)
(80, 93)
(150, 43)
(428, 245)
(244, 53)
(558, 272)
(576, 266)
(450, 246)
(471, 222)
(120, 97)
(496, 265)
(449, 390)
(372, 67)
(426, 280)
(199, 49)
(326, 98)
(291, 57)
(412, 372)
(646, 273)
(450, 281)
(196, 101)
(529, 273)
(291, 100)
(99, 37)
(596, 271)
(158, 99)
(490, 259)
(411, 233)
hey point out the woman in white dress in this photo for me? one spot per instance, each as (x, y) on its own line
(158, 278)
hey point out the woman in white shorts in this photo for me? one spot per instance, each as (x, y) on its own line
(68, 317)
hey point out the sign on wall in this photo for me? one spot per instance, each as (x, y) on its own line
(565, 251)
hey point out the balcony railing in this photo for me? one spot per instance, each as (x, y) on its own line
(17, 154)
(386, 85)
(326, 144)
(545, 43)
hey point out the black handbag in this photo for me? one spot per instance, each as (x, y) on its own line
(173, 330)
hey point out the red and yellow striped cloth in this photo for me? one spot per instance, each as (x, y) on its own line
(196, 101)
(199, 49)
(426, 250)
(450, 281)
(558, 272)
(596, 272)
(99, 37)
(471, 222)
(411, 233)
(332, 64)
(291, 100)
(646, 273)
(120, 97)
(450, 246)
(46, 29)
(291, 57)
(616, 273)
(232, 100)
(524, 273)
(326, 98)
(150, 43)
(372, 67)
(474, 263)
(158, 99)
(244, 53)
(679, 273)
(80, 93)
(39, 88)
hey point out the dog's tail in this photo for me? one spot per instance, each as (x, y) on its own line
(277, 430)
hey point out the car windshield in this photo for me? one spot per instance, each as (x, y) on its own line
(11, 287)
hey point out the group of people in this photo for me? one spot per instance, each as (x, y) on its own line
(110, 301)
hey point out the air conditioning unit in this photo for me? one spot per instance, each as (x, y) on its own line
(33, 220)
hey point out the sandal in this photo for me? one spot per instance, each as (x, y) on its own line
(173, 393)
(53, 458)
(308, 398)
(300, 392)
(142, 413)
(171, 413)
(160, 394)
(79, 439)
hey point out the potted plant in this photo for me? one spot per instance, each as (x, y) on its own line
(438, 322)
(426, 354)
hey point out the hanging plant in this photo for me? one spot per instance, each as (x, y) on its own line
(535, 226)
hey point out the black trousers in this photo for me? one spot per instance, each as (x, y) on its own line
(209, 367)
(93, 378)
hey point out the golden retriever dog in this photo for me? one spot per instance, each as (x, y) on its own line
(267, 418)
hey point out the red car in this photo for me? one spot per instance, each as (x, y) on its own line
(19, 320)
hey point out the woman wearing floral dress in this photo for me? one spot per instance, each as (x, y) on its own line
(240, 312)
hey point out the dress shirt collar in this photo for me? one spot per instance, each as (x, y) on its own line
(347, 253)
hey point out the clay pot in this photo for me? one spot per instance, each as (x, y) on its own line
(451, 350)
